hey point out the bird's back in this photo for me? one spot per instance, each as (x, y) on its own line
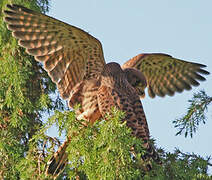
(127, 100)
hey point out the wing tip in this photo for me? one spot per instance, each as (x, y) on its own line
(14, 7)
(9, 6)
(18, 8)
(151, 92)
(201, 65)
(202, 71)
(7, 12)
(7, 19)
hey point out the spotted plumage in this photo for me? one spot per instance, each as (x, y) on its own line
(75, 62)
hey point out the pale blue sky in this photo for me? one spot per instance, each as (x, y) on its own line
(126, 28)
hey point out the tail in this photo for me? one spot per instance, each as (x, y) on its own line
(58, 161)
(155, 156)
(151, 154)
(145, 162)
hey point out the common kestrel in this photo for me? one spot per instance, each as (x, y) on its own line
(74, 60)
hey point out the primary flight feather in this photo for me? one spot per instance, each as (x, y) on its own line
(75, 62)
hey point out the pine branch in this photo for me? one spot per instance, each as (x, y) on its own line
(195, 115)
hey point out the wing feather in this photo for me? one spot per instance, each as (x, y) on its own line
(69, 54)
(165, 74)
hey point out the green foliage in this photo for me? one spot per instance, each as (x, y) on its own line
(24, 95)
(99, 151)
(195, 114)
(179, 165)
(102, 151)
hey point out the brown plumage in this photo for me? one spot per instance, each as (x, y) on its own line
(116, 91)
(74, 60)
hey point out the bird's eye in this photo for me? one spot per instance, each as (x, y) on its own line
(137, 82)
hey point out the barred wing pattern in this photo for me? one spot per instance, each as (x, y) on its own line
(74, 60)
(68, 53)
(166, 75)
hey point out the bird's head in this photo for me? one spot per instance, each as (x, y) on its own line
(137, 80)
(112, 69)
(113, 74)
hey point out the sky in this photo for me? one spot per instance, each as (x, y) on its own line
(127, 28)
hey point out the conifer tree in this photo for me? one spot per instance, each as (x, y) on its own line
(101, 151)
(25, 90)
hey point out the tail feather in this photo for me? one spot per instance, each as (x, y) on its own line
(58, 161)
(153, 154)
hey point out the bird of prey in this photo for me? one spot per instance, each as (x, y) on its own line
(75, 62)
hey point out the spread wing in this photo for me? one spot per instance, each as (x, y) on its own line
(68, 53)
(165, 74)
